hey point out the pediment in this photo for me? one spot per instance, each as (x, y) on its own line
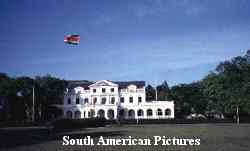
(103, 83)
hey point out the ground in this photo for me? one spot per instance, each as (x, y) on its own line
(214, 137)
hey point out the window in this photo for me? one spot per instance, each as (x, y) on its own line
(167, 112)
(94, 90)
(122, 100)
(69, 101)
(86, 100)
(77, 101)
(139, 99)
(94, 100)
(69, 114)
(130, 99)
(103, 100)
(131, 113)
(113, 100)
(140, 112)
(159, 112)
(112, 89)
(103, 90)
(149, 112)
(77, 114)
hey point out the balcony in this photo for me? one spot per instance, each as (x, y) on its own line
(132, 91)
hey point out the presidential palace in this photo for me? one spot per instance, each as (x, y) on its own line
(113, 100)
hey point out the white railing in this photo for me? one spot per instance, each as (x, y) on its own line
(139, 90)
(131, 91)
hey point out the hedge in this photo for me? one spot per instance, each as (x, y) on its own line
(62, 124)
(171, 121)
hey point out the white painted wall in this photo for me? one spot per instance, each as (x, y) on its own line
(130, 91)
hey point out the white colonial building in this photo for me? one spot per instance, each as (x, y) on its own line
(113, 100)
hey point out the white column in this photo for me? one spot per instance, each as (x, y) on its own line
(115, 113)
(106, 113)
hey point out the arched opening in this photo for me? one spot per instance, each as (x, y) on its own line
(131, 114)
(149, 112)
(101, 113)
(122, 114)
(159, 112)
(140, 113)
(92, 113)
(77, 114)
(69, 114)
(111, 114)
(167, 112)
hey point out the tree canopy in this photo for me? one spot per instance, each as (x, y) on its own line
(223, 90)
(18, 91)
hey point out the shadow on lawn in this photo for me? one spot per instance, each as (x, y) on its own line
(15, 138)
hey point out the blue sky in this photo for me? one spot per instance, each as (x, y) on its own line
(153, 40)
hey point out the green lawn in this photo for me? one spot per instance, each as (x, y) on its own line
(214, 137)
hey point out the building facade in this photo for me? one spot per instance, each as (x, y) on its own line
(113, 100)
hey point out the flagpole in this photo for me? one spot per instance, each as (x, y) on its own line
(237, 113)
(156, 95)
(33, 104)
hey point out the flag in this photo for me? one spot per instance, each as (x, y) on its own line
(72, 39)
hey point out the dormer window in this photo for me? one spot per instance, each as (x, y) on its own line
(132, 88)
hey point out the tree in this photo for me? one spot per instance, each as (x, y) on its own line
(150, 93)
(5, 87)
(163, 92)
(228, 87)
(5, 84)
(49, 91)
(18, 93)
(188, 99)
(20, 100)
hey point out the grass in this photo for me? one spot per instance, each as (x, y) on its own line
(214, 137)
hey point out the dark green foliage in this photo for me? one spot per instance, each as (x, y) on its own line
(221, 91)
(150, 93)
(229, 86)
(18, 93)
(189, 99)
(163, 92)
(176, 121)
(49, 91)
